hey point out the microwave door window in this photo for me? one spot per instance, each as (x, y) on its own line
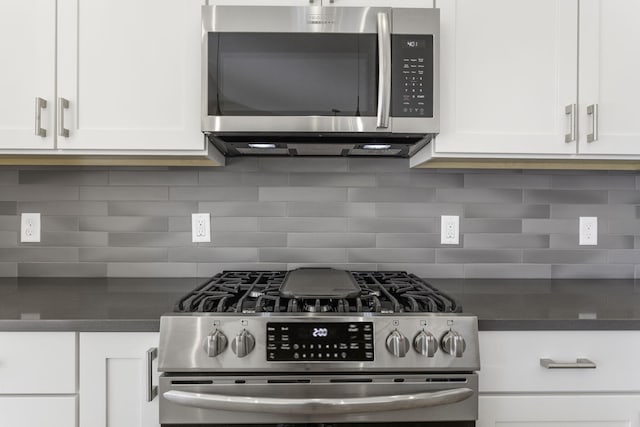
(292, 74)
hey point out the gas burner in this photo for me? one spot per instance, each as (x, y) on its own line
(317, 308)
(262, 292)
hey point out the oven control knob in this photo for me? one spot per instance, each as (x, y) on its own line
(215, 343)
(425, 344)
(453, 343)
(397, 344)
(243, 343)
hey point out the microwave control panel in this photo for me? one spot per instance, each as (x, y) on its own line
(412, 75)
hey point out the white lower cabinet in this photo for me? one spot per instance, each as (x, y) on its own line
(602, 410)
(38, 379)
(38, 411)
(559, 379)
(114, 379)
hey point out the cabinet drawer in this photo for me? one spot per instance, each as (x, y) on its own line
(510, 361)
(37, 362)
(50, 411)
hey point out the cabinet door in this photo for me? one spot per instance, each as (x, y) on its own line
(266, 2)
(131, 74)
(27, 49)
(507, 70)
(559, 411)
(609, 69)
(32, 411)
(113, 380)
(26, 359)
(379, 3)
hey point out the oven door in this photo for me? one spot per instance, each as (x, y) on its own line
(428, 400)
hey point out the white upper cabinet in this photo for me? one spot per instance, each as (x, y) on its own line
(131, 73)
(380, 3)
(508, 72)
(265, 2)
(609, 70)
(27, 49)
(368, 3)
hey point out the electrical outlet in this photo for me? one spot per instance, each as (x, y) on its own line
(588, 230)
(450, 230)
(200, 227)
(30, 227)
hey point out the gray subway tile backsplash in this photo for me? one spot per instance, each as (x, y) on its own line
(62, 269)
(124, 193)
(8, 269)
(8, 208)
(151, 208)
(64, 177)
(355, 213)
(285, 194)
(123, 223)
(9, 222)
(8, 239)
(65, 207)
(566, 196)
(154, 178)
(331, 209)
(9, 177)
(331, 240)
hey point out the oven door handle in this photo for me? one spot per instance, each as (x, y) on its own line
(318, 406)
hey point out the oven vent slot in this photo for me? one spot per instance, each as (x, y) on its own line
(351, 380)
(288, 381)
(398, 380)
(191, 382)
(240, 381)
(446, 380)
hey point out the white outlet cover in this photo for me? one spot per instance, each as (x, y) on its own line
(588, 231)
(449, 230)
(200, 227)
(30, 227)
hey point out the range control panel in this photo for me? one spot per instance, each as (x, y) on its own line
(412, 76)
(320, 342)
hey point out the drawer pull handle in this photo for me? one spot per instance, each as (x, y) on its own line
(578, 364)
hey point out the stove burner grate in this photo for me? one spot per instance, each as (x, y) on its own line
(259, 292)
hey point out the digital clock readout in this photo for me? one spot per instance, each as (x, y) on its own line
(315, 342)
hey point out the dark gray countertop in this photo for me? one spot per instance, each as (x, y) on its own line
(118, 304)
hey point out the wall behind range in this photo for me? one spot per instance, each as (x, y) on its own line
(347, 213)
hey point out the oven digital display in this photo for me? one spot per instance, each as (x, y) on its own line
(319, 342)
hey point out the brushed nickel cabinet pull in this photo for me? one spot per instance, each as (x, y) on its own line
(40, 104)
(63, 104)
(578, 364)
(570, 110)
(592, 110)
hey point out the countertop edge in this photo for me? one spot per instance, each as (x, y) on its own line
(153, 325)
(80, 325)
(559, 325)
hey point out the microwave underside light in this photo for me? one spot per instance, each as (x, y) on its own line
(292, 145)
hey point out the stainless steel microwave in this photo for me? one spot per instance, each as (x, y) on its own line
(326, 81)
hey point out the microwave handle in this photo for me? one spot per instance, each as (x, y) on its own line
(384, 70)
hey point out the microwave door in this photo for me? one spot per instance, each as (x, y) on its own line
(298, 78)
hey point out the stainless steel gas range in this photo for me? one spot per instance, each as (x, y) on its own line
(318, 347)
